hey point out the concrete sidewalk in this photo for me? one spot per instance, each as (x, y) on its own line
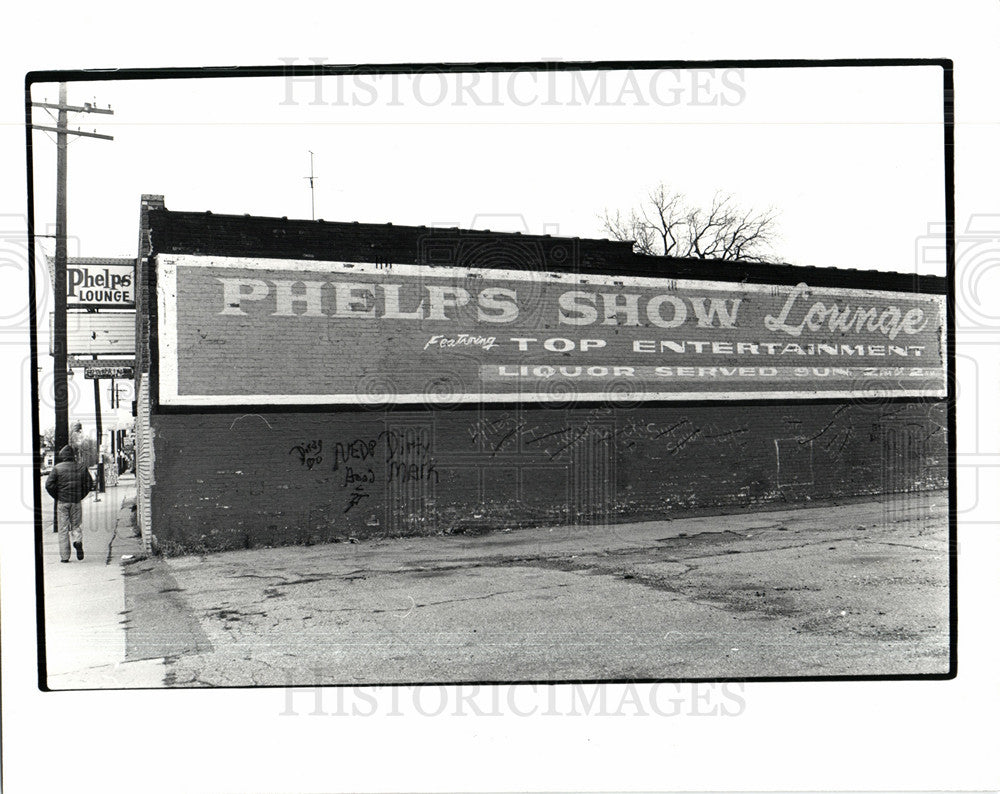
(85, 599)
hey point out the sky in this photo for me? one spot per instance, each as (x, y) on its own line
(850, 158)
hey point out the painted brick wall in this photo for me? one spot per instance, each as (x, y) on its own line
(233, 480)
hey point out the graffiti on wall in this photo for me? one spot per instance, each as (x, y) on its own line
(361, 463)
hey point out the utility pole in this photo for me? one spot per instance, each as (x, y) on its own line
(100, 434)
(61, 387)
(113, 399)
(312, 190)
(62, 131)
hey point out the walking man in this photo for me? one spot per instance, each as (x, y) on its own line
(69, 483)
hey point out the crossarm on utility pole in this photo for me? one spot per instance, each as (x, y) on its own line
(87, 108)
(72, 132)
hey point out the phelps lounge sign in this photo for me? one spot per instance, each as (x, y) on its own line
(236, 331)
(97, 283)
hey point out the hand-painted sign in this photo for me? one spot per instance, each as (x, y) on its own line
(252, 331)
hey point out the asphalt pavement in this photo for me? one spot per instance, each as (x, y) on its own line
(857, 588)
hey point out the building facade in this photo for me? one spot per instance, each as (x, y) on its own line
(303, 382)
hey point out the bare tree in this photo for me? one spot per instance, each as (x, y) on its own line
(86, 449)
(666, 225)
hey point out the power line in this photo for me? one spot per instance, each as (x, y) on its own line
(59, 351)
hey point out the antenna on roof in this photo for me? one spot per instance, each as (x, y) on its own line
(312, 187)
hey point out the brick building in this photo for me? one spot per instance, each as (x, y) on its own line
(308, 381)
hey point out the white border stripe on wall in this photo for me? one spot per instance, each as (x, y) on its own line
(600, 279)
(167, 266)
(166, 304)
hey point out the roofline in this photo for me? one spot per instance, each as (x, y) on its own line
(390, 225)
(630, 263)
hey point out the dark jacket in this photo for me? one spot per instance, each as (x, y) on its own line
(69, 481)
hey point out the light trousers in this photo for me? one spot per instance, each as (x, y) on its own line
(70, 522)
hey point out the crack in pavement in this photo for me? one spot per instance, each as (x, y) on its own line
(476, 598)
(585, 563)
(468, 563)
(114, 534)
(803, 545)
(407, 609)
(910, 546)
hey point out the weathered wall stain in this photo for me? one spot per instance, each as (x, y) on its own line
(320, 477)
